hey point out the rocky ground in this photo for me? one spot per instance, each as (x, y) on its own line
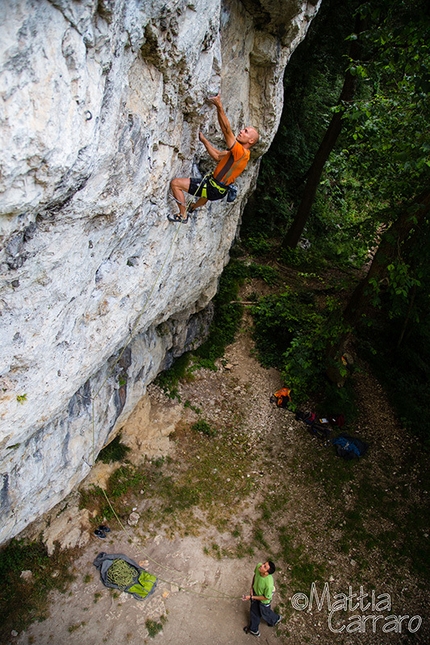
(279, 492)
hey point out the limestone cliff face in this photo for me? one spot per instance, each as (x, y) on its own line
(101, 105)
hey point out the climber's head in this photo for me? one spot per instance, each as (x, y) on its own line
(248, 136)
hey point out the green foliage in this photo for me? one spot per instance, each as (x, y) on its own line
(155, 627)
(228, 314)
(258, 244)
(169, 379)
(114, 451)
(277, 320)
(312, 84)
(22, 555)
(266, 273)
(204, 427)
(388, 125)
(340, 398)
(293, 335)
(125, 478)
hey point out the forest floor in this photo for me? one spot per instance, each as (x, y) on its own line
(245, 484)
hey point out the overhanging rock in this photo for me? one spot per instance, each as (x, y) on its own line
(102, 104)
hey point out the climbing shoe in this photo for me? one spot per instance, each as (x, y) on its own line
(177, 218)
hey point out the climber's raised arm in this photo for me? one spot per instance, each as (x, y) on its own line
(223, 121)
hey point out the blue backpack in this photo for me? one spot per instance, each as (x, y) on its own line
(349, 447)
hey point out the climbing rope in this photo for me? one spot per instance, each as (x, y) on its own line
(162, 566)
(131, 337)
(192, 199)
(221, 594)
(133, 329)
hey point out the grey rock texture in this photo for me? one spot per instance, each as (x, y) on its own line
(101, 105)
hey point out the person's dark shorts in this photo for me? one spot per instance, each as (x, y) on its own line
(208, 188)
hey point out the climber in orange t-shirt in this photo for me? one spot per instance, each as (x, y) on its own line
(231, 163)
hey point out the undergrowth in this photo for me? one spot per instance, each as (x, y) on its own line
(293, 332)
(25, 600)
(114, 451)
(213, 479)
(154, 626)
(227, 316)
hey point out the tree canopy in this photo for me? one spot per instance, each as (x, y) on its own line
(369, 212)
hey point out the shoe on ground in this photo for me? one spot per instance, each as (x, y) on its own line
(100, 534)
(104, 528)
(257, 633)
(278, 621)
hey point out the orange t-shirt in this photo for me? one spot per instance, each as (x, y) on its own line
(230, 166)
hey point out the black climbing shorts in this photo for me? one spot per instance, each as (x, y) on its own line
(208, 188)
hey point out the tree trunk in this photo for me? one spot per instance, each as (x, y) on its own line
(326, 146)
(401, 233)
(407, 225)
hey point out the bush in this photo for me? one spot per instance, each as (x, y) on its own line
(292, 335)
(204, 427)
(227, 315)
(114, 451)
(24, 601)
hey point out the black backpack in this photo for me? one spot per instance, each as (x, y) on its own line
(318, 427)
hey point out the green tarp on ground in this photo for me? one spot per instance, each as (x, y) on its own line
(120, 572)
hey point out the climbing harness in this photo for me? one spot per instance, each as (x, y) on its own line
(221, 188)
(208, 188)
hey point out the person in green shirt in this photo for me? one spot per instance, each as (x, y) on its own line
(262, 588)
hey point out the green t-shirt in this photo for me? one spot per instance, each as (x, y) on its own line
(263, 586)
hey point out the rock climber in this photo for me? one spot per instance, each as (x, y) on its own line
(262, 588)
(231, 163)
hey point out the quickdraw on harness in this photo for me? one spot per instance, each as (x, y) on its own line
(229, 190)
(221, 188)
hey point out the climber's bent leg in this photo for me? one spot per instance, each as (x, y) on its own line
(205, 189)
(179, 186)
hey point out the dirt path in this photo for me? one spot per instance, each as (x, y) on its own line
(286, 511)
